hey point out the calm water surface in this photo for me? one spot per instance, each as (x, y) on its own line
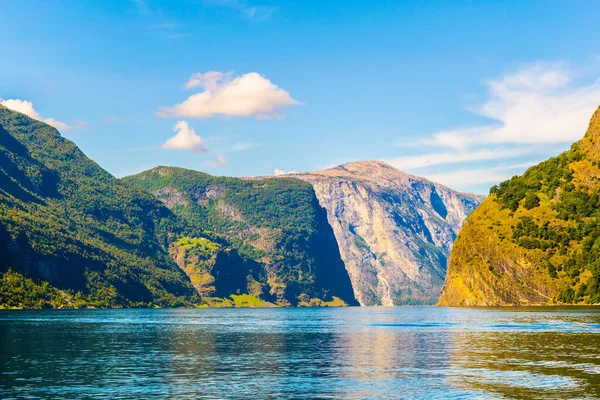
(404, 352)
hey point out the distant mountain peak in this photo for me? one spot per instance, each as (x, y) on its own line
(373, 171)
(357, 166)
(394, 230)
(367, 164)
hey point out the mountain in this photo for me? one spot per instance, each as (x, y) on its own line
(394, 230)
(536, 239)
(73, 235)
(274, 242)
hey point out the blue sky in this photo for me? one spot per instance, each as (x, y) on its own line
(465, 93)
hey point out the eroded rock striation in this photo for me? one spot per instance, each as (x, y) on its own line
(394, 230)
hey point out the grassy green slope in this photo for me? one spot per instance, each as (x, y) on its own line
(66, 221)
(281, 247)
(536, 239)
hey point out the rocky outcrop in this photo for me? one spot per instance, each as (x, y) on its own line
(394, 230)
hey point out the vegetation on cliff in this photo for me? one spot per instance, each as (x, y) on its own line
(536, 239)
(72, 235)
(68, 226)
(275, 243)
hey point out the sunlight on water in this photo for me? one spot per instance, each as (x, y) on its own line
(404, 352)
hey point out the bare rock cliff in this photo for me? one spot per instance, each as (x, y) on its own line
(394, 230)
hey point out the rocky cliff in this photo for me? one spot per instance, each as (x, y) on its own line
(536, 239)
(394, 230)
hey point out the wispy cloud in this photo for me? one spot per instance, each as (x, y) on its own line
(168, 30)
(157, 22)
(166, 25)
(26, 107)
(186, 139)
(220, 160)
(142, 6)
(456, 157)
(532, 111)
(538, 104)
(466, 177)
(241, 146)
(210, 80)
(279, 172)
(177, 35)
(248, 95)
(256, 12)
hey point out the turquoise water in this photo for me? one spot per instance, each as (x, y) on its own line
(404, 352)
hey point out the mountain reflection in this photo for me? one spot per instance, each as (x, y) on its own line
(407, 352)
(530, 358)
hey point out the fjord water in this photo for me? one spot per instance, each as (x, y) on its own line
(403, 352)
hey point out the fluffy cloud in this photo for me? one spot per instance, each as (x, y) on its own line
(279, 172)
(26, 107)
(248, 95)
(220, 160)
(22, 106)
(185, 139)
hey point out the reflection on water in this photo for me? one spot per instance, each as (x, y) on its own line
(405, 352)
(543, 354)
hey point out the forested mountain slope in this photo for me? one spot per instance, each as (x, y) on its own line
(536, 239)
(74, 235)
(275, 243)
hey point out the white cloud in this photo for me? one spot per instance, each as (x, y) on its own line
(61, 126)
(469, 177)
(538, 104)
(279, 172)
(537, 110)
(523, 165)
(455, 157)
(26, 107)
(22, 106)
(241, 146)
(248, 95)
(185, 139)
(466, 177)
(209, 80)
(220, 160)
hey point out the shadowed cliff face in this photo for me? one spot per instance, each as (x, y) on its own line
(536, 239)
(394, 230)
